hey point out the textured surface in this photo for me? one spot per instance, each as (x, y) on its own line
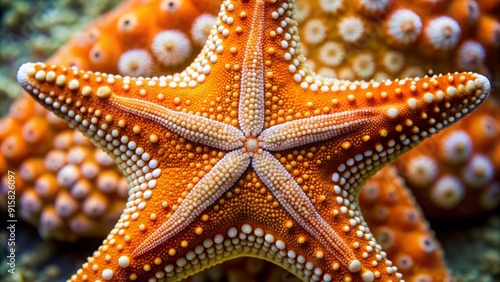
(110, 195)
(384, 39)
(456, 174)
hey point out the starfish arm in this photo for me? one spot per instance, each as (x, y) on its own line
(194, 128)
(299, 206)
(314, 129)
(210, 188)
(250, 114)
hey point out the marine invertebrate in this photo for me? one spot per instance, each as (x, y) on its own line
(93, 32)
(171, 47)
(403, 26)
(435, 37)
(332, 53)
(396, 220)
(91, 49)
(201, 28)
(351, 29)
(394, 216)
(253, 134)
(138, 25)
(442, 33)
(314, 31)
(136, 62)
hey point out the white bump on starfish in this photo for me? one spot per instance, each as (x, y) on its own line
(457, 147)
(470, 55)
(363, 65)
(479, 171)
(136, 62)
(422, 171)
(351, 29)
(201, 28)
(392, 113)
(393, 61)
(447, 192)
(331, 53)
(73, 84)
(374, 6)
(107, 274)
(171, 47)
(330, 6)
(367, 276)
(314, 31)
(124, 261)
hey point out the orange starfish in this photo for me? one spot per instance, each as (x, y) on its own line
(217, 156)
(394, 218)
(347, 39)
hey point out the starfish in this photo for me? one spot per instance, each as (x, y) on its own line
(247, 152)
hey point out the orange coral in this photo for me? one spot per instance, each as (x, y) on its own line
(66, 187)
(134, 25)
(387, 39)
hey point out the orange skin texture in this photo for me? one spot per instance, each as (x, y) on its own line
(184, 162)
(102, 35)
